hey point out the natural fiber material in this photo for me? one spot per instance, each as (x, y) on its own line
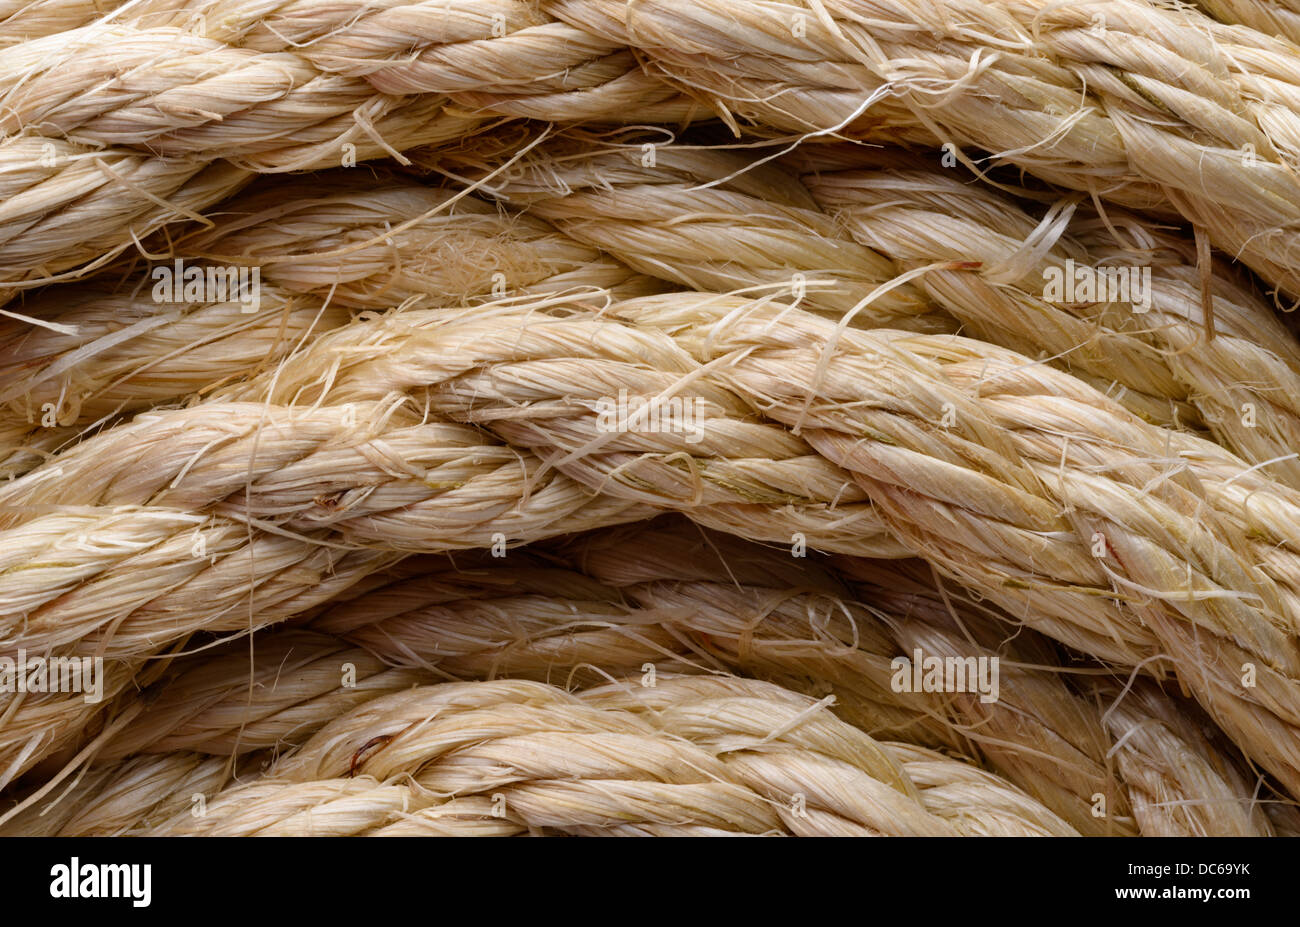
(274, 692)
(1205, 797)
(1180, 554)
(88, 584)
(1171, 116)
(360, 243)
(986, 261)
(128, 352)
(129, 585)
(1250, 365)
(1144, 106)
(376, 477)
(1041, 437)
(700, 218)
(691, 755)
(64, 205)
(1238, 374)
(23, 20)
(1032, 467)
(369, 474)
(505, 57)
(135, 794)
(316, 516)
(1285, 817)
(309, 87)
(71, 207)
(375, 243)
(1271, 17)
(687, 601)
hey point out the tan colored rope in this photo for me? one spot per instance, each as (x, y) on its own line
(1243, 383)
(1285, 817)
(1065, 611)
(399, 241)
(327, 453)
(1151, 734)
(406, 487)
(64, 205)
(506, 57)
(1181, 110)
(128, 586)
(128, 353)
(1145, 106)
(70, 206)
(1270, 17)
(691, 755)
(1197, 551)
(668, 595)
(1196, 558)
(376, 243)
(518, 616)
(275, 693)
(23, 20)
(701, 218)
(986, 261)
(180, 95)
(1057, 741)
(376, 477)
(305, 87)
(118, 798)
(88, 584)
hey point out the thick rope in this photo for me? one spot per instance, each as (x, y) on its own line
(1144, 106)
(691, 755)
(699, 218)
(691, 602)
(1001, 471)
(335, 241)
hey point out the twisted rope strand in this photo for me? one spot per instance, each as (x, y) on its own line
(1147, 107)
(1196, 562)
(696, 755)
(668, 595)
